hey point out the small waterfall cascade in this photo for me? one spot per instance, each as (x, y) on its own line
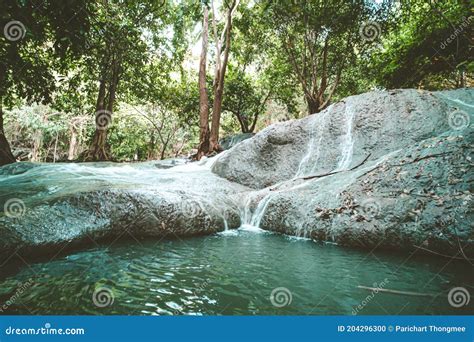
(309, 162)
(311, 158)
(252, 219)
(347, 145)
(257, 216)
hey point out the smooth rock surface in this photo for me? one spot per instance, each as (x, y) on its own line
(420, 196)
(372, 124)
(402, 179)
(51, 206)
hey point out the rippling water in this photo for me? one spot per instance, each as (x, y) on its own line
(233, 273)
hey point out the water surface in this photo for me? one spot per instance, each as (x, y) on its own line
(234, 273)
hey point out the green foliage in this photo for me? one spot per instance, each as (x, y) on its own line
(245, 97)
(38, 39)
(431, 46)
(277, 61)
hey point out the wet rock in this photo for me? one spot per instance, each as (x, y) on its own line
(419, 197)
(58, 206)
(400, 178)
(372, 124)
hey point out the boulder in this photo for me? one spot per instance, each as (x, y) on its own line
(48, 207)
(385, 169)
(418, 197)
(368, 125)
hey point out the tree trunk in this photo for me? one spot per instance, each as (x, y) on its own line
(151, 146)
(216, 118)
(55, 151)
(254, 123)
(163, 151)
(219, 86)
(37, 143)
(97, 148)
(98, 152)
(203, 98)
(6, 155)
(72, 143)
(313, 105)
(242, 122)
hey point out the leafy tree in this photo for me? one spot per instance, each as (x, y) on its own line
(245, 97)
(430, 47)
(319, 40)
(222, 49)
(118, 50)
(38, 38)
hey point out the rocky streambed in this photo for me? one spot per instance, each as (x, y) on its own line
(385, 169)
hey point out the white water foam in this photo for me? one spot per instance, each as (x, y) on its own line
(311, 158)
(308, 163)
(347, 146)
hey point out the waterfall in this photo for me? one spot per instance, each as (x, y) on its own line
(311, 158)
(347, 145)
(260, 210)
(252, 219)
(309, 162)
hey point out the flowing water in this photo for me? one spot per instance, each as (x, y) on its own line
(312, 159)
(347, 145)
(232, 273)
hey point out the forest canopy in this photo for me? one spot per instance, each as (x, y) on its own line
(137, 80)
